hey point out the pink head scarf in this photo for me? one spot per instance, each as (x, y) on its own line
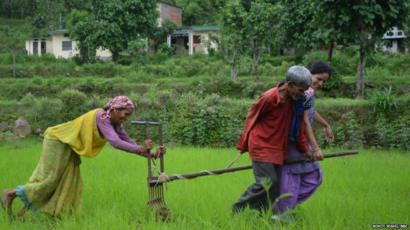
(118, 102)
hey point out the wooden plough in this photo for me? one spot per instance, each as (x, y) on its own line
(156, 182)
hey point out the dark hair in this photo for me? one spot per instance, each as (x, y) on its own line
(318, 67)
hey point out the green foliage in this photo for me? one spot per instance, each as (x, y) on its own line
(13, 34)
(262, 18)
(75, 103)
(213, 122)
(137, 48)
(158, 35)
(295, 29)
(247, 30)
(385, 101)
(80, 29)
(232, 41)
(349, 134)
(44, 112)
(394, 134)
(360, 22)
(48, 15)
(112, 24)
(197, 12)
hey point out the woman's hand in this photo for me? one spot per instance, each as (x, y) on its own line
(145, 151)
(317, 154)
(148, 144)
(160, 151)
(329, 134)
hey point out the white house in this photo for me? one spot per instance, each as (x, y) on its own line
(188, 39)
(394, 41)
(60, 45)
(193, 39)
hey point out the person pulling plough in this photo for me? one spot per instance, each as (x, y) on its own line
(301, 180)
(265, 137)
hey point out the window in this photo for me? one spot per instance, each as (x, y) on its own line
(43, 47)
(35, 47)
(197, 39)
(66, 45)
(399, 33)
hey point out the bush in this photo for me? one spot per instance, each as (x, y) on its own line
(45, 112)
(75, 103)
(384, 102)
(394, 134)
(107, 69)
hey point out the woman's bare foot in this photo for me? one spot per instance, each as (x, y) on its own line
(7, 200)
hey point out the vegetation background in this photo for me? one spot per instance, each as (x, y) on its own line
(202, 101)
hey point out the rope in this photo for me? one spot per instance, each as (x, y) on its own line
(207, 172)
(179, 176)
(234, 160)
(164, 178)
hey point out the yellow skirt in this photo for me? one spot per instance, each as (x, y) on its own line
(55, 186)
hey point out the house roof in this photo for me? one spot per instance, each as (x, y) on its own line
(59, 31)
(198, 28)
(394, 33)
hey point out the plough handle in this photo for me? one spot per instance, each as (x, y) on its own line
(155, 180)
(146, 124)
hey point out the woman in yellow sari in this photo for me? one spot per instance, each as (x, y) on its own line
(55, 185)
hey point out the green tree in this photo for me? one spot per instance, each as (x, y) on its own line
(48, 15)
(78, 23)
(18, 9)
(260, 29)
(111, 24)
(232, 39)
(159, 34)
(295, 28)
(363, 22)
(197, 12)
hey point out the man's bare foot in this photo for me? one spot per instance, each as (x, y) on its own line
(21, 212)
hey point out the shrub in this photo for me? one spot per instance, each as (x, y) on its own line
(384, 101)
(45, 112)
(75, 103)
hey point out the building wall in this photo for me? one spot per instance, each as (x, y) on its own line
(169, 12)
(54, 46)
(103, 54)
(205, 44)
(57, 47)
(30, 46)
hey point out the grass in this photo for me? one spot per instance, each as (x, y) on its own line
(357, 191)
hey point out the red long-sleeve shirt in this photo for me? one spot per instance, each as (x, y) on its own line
(266, 129)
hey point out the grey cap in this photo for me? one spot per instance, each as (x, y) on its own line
(299, 75)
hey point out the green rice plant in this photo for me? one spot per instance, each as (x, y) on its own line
(356, 191)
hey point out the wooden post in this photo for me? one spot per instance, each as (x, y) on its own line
(14, 64)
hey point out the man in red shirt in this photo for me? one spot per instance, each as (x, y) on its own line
(265, 136)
